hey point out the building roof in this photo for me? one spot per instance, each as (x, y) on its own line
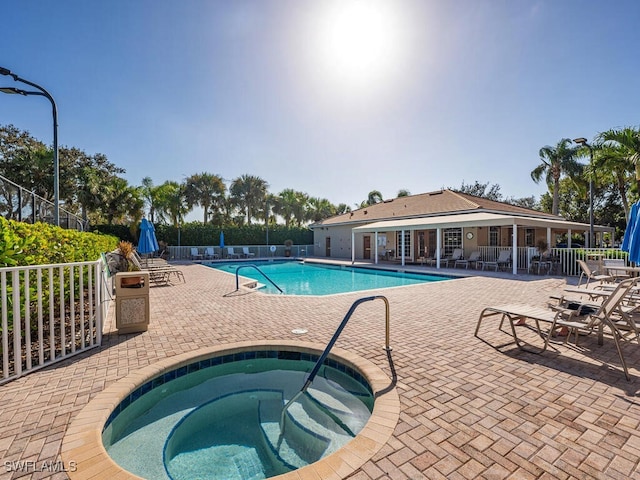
(432, 204)
(479, 219)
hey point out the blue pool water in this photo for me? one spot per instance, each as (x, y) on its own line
(220, 418)
(303, 278)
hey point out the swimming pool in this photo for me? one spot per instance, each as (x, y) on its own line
(305, 278)
(219, 418)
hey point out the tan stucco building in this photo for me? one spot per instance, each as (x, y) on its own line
(432, 225)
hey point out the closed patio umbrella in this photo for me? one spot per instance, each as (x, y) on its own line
(631, 239)
(148, 242)
(221, 240)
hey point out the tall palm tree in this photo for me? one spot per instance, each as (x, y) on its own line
(628, 142)
(149, 192)
(171, 203)
(610, 162)
(285, 205)
(249, 193)
(206, 190)
(556, 162)
(320, 208)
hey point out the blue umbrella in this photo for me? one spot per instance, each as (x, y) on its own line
(148, 242)
(629, 230)
(631, 241)
(221, 240)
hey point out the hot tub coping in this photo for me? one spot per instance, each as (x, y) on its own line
(82, 446)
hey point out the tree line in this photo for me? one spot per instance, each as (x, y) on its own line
(94, 188)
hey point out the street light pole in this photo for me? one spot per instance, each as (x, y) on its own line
(56, 165)
(583, 141)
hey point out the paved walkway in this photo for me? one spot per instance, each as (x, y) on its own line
(469, 410)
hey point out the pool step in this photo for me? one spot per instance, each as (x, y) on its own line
(309, 433)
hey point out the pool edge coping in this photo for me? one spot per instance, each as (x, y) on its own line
(82, 446)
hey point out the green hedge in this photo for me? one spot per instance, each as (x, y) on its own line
(38, 244)
(197, 233)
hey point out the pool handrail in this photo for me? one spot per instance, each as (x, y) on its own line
(329, 346)
(263, 274)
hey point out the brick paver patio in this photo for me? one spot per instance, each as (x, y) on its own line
(469, 410)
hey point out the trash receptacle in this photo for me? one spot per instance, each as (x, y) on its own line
(132, 302)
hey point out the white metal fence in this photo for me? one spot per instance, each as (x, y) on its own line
(565, 259)
(49, 313)
(185, 252)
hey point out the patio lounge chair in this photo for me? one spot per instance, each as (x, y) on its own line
(210, 254)
(591, 275)
(618, 274)
(247, 253)
(604, 315)
(474, 258)
(195, 254)
(503, 260)
(159, 270)
(231, 253)
(457, 254)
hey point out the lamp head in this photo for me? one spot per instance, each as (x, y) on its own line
(5, 71)
(12, 91)
(580, 140)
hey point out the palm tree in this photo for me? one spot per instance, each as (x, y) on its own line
(556, 162)
(123, 203)
(206, 190)
(285, 204)
(610, 162)
(171, 203)
(249, 193)
(374, 197)
(319, 209)
(627, 143)
(403, 193)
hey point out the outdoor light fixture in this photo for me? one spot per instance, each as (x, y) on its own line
(56, 166)
(583, 141)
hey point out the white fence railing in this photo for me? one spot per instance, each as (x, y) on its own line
(566, 259)
(49, 313)
(184, 252)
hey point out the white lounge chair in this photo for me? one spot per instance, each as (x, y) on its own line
(210, 254)
(457, 254)
(195, 254)
(474, 258)
(247, 253)
(503, 260)
(231, 253)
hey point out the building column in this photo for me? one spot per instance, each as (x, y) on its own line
(438, 247)
(514, 254)
(353, 247)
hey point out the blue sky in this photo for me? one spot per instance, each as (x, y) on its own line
(334, 98)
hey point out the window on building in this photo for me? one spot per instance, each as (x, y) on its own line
(407, 243)
(494, 236)
(529, 237)
(452, 240)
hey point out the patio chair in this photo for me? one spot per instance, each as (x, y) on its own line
(617, 273)
(210, 254)
(195, 254)
(457, 254)
(503, 260)
(247, 253)
(231, 253)
(474, 258)
(575, 320)
(591, 275)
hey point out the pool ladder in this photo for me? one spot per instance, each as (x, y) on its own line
(334, 338)
(263, 274)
